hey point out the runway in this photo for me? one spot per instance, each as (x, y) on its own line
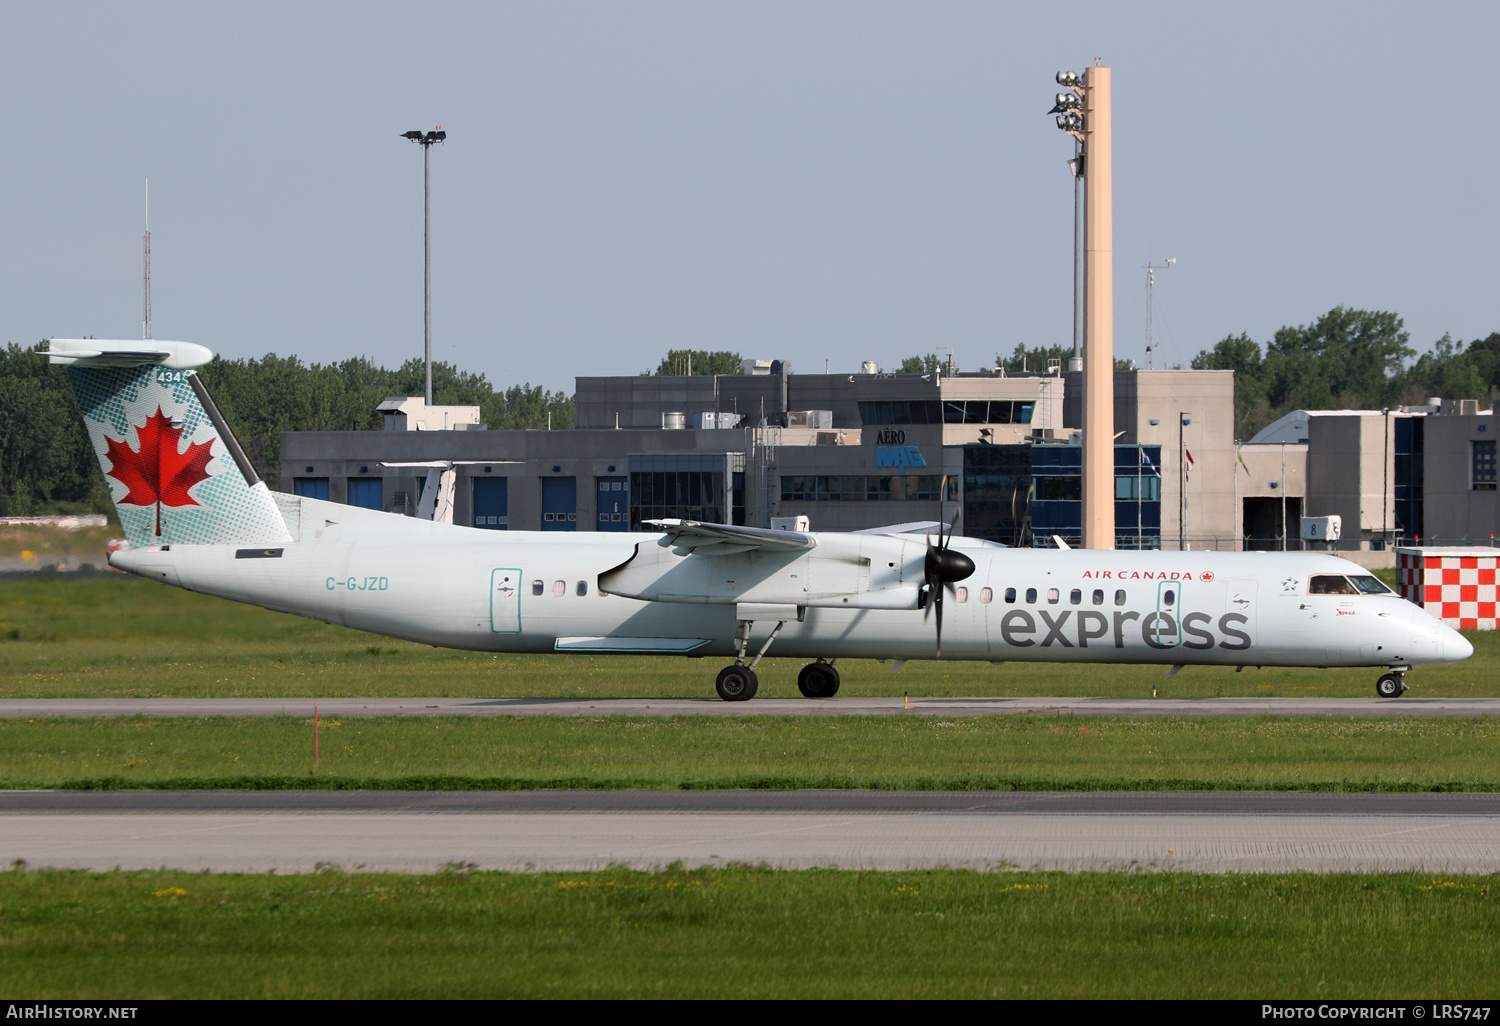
(1395, 708)
(564, 831)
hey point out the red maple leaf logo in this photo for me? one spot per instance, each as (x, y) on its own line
(158, 473)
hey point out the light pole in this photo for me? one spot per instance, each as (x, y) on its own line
(1183, 420)
(425, 140)
(1083, 111)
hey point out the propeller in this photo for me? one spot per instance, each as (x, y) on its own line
(942, 569)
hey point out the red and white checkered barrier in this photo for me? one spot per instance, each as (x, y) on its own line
(1455, 584)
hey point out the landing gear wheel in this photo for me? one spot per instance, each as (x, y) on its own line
(1390, 686)
(818, 680)
(737, 684)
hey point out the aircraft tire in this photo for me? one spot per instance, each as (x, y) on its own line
(737, 684)
(1389, 686)
(818, 680)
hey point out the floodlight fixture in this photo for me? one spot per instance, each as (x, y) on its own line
(1069, 79)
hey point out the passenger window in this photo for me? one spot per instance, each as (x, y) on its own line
(961, 594)
(1053, 595)
(1031, 596)
(559, 588)
(583, 587)
(1098, 596)
(986, 595)
(536, 587)
(1076, 597)
(1010, 594)
(1168, 597)
(1120, 597)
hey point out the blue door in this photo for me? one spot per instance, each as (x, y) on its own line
(614, 504)
(366, 492)
(559, 504)
(491, 503)
(311, 487)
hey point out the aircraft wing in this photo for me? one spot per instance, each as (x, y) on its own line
(690, 536)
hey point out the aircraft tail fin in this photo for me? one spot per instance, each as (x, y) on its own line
(175, 472)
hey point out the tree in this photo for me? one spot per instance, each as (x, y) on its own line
(699, 361)
(1345, 359)
(1241, 354)
(922, 364)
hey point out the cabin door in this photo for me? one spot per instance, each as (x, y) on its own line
(505, 600)
(1165, 629)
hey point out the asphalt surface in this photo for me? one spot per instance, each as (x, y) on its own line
(578, 831)
(709, 706)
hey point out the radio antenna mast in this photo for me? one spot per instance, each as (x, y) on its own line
(146, 269)
(1151, 270)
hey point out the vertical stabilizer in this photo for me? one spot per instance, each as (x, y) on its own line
(175, 472)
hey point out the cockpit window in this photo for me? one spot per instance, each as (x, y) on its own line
(1370, 585)
(1330, 584)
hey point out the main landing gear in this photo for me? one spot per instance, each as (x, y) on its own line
(818, 680)
(1392, 685)
(738, 683)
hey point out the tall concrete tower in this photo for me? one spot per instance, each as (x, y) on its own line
(1099, 316)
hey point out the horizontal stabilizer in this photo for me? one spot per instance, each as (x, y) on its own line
(98, 352)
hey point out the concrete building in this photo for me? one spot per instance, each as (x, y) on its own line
(853, 451)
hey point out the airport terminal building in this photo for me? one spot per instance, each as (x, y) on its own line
(855, 451)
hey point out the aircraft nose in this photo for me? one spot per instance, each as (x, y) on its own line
(1453, 646)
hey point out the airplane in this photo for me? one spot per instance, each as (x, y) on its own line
(197, 516)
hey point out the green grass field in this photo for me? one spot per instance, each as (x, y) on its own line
(124, 637)
(742, 932)
(891, 753)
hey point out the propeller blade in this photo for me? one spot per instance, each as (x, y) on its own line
(937, 598)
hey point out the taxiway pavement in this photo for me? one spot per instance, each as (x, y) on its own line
(571, 831)
(709, 706)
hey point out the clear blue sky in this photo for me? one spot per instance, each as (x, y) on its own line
(803, 180)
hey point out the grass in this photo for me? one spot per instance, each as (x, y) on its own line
(741, 932)
(891, 753)
(124, 637)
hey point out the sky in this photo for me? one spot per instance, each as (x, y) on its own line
(807, 181)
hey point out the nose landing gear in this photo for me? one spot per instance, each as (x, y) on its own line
(1391, 685)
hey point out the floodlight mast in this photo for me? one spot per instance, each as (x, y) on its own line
(426, 140)
(1083, 111)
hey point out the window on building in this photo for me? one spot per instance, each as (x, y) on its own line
(1484, 465)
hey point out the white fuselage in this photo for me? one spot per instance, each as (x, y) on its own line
(465, 588)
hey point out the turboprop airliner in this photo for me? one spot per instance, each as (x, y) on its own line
(197, 516)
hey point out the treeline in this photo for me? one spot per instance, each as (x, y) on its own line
(262, 398)
(1348, 359)
(48, 466)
